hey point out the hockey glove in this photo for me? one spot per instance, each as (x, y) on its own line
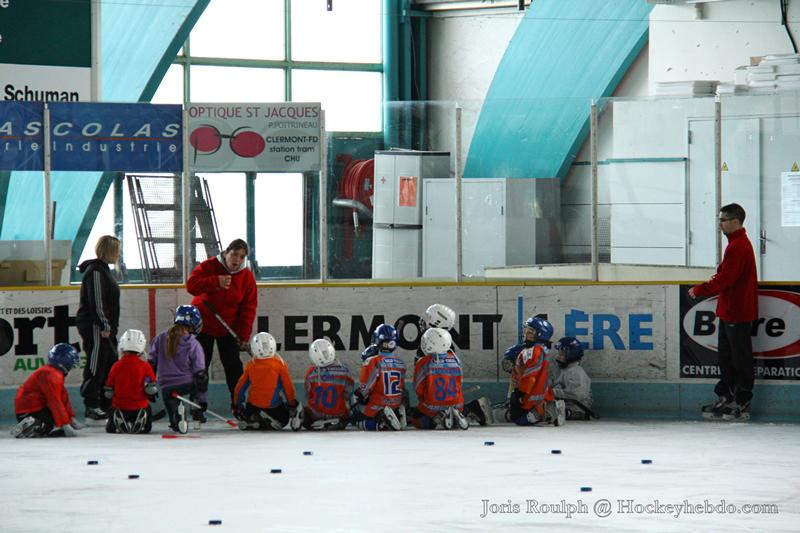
(508, 365)
(151, 390)
(200, 380)
(359, 396)
(517, 398)
(108, 392)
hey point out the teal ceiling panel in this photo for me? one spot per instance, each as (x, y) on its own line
(564, 54)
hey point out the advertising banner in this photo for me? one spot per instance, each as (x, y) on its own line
(775, 334)
(280, 137)
(21, 136)
(116, 137)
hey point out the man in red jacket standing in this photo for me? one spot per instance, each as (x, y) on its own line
(737, 307)
(224, 286)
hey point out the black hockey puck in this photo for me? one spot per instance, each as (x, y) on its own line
(92, 462)
(215, 522)
(555, 452)
(647, 461)
(275, 471)
(489, 443)
(586, 489)
(133, 476)
(308, 453)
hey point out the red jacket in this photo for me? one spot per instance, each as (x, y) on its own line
(45, 389)
(735, 281)
(128, 377)
(236, 304)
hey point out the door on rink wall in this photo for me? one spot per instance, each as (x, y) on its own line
(740, 184)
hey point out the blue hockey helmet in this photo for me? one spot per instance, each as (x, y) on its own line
(542, 329)
(571, 348)
(385, 336)
(189, 316)
(63, 356)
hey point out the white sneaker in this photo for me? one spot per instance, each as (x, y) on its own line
(183, 424)
(461, 420)
(391, 419)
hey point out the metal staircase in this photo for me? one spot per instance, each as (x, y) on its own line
(157, 219)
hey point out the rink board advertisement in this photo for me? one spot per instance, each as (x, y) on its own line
(625, 335)
(776, 334)
(116, 137)
(21, 136)
(278, 137)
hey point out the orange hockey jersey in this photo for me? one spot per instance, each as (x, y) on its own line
(328, 391)
(437, 382)
(529, 376)
(381, 382)
(265, 383)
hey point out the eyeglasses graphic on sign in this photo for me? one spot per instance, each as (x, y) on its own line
(207, 140)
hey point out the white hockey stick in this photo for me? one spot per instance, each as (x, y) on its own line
(209, 411)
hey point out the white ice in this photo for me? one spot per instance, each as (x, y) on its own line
(408, 481)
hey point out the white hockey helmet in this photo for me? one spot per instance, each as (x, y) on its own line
(263, 345)
(435, 341)
(132, 340)
(321, 352)
(439, 316)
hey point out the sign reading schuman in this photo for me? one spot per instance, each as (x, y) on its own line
(116, 137)
(775, 334)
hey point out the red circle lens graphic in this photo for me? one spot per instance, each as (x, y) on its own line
(247, 143)
(205, 139)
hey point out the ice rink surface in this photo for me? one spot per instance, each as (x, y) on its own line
(410, 481)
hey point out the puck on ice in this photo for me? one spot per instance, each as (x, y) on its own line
(214, 522)
(92, 462)
(555, 451)
(275, 471)
(647, 461)
(586, 489)
(489, 443)
(133, 476)
(308, 453)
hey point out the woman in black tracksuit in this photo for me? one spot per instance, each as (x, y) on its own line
(97, 321)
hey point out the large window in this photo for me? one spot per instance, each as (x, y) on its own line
(274, 51)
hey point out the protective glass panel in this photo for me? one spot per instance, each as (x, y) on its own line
(279, 221)
(171, 89)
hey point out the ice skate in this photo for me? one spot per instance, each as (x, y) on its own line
(27, 427)
(714, 410)
(94, 415)
(182, 425)
(296, 422)
(447, 419)
(390, 419)
(480, 411)
(274, 424)
(737, 412)
(460, 419)
(402, 416)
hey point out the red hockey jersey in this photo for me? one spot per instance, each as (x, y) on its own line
(128, 377)
(381, 382)
(328, 391)
(437, 382)
(529, 376)
(45, 389)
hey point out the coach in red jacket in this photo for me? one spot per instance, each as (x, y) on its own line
(736, 284)
(225, 286)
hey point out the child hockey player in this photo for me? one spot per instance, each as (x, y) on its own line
(130, 386)
(435, 316)
(437, 382)
(570, 381)
(381, 385)
(42, 404)
(264, 395)
(328, 385)
(532, 399)
(179, 362)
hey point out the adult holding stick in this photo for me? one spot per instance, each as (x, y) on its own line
(97, 321)
(224, 286)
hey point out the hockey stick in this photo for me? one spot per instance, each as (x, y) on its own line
(209, 411)
(214, 311)
(472, 389)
